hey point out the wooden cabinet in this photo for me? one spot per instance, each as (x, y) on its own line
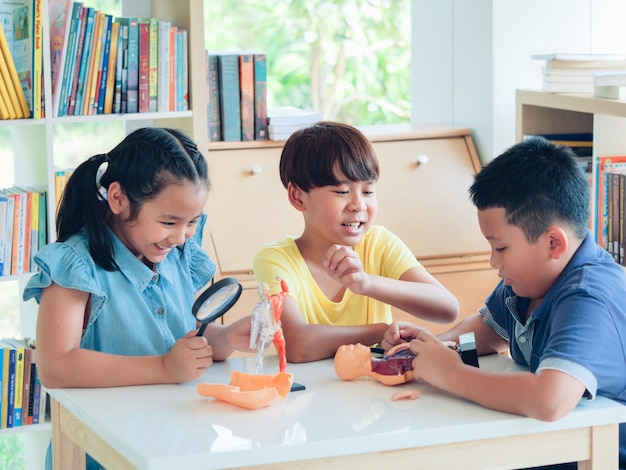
(422, 194)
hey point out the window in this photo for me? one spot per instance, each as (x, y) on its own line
(349, 59)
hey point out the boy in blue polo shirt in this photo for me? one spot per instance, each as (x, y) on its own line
(560, 307)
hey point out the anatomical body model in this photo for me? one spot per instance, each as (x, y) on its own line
(355, 360)
(266, 325)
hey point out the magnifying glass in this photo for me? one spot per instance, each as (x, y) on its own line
(216, 301)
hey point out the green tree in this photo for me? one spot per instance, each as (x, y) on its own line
(347, 58)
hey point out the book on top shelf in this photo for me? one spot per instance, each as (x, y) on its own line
(59, 13)
(230, 104)
(213, 97)
(583, 60)
(260, 96)
(246, 91)
(17, 17)
(290, 115)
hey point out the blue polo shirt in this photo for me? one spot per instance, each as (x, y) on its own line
(579, 327)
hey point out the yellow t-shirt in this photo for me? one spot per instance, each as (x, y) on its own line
(382, 253)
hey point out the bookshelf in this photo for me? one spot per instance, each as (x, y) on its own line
(538, 112)
(35, 154)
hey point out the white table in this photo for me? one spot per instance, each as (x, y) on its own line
(331, 424)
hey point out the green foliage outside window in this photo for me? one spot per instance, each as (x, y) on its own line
(347, 58)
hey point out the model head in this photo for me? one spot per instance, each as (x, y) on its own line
(320, 154)
(538, 184)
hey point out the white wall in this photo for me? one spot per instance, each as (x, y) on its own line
(469, 56)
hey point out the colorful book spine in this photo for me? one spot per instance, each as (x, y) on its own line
(43, 219)
(29, 385)
(121, 69)
(163, 92)
(172, 76)
(19, 387)
(132, 104)
(11, 391)
(80, 48)
(180, 70)
(144, 65)
(4, 386)
(69, 53)
(185, 76)
(153, 64)
(260, 96)
(246, 95)
(85, 60)
(59, 13)
(111, 69)
(37, 61)
(4, 202)
(103, 69)
(230, 106)
(12, 82)
(94, 55)
(213, 97)
(8, 235)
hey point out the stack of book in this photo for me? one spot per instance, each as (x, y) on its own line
(23, 400)
(23, 232)
(610, 84)
(284, 121)
(102, 65)
(21, 85)
(573, 73)
(237, 95)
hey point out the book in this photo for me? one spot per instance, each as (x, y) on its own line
(19, 386)
(103, 68)
(213, 97)
(11, 390)
(37, 390)
(42, 226)
(11, 78)
(7, 90)
(604, 165)
(37, 61)
(6, 107)
(172, 75)
(163, 67)
(61, 99)
(109, 91)
(568, 87)
(582, 60)
(185, 72)
(181, 71)
(4, 202)
(132, 104)
(59, 13)
(260, 96)
(80, 48)
(26, 218)
(29, 384)
(85, 61)
(17, 253)
(230, 102)
(290, 116)
(120, 68)
(8, 234)
(4, 386)
(144, 66)
(246, 92)
(16, 17)
(89, 92)
(153, 64)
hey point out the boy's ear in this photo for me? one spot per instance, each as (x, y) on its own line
(295, 196)
(559, 241)
(116, 198)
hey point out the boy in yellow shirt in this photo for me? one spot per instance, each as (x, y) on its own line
(343, 271)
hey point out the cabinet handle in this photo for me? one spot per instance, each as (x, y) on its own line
(255, 169)
(421, 159)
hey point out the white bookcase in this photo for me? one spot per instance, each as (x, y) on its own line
(33, 143)
(539, 112)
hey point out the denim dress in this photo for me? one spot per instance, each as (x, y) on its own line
(135, 311)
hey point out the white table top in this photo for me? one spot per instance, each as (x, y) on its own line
(171, 426)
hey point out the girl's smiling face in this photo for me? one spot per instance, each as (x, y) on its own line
(162, 223)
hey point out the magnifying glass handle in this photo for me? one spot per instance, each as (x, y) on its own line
(201, 330)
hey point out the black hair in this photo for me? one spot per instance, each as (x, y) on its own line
(538, 184)
(312, 154)
(144, 163)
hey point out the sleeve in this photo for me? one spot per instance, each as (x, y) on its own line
(390, 253)
(61, 264)
(271, 263)
(201, 266)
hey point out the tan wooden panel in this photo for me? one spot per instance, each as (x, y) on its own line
(427, 204)
(247, 209)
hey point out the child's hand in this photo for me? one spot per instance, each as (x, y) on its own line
(434, 360)
(400, 332)
(343, 264)
(188, 359)
(238, 335)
